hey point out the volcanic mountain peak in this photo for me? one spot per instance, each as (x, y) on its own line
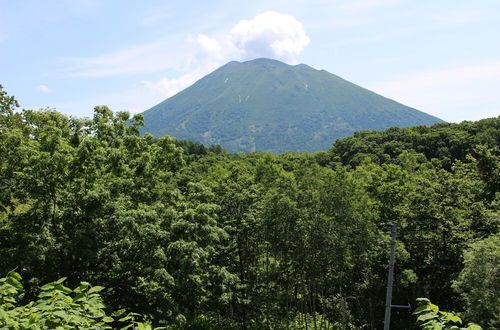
(268, 105)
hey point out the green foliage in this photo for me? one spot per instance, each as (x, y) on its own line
(431, 318)
(192, 148)
(442, 143)
(315, 321)
(267, 105)
(7, 105)
(479, 281)
(199, 238)
(59, 307)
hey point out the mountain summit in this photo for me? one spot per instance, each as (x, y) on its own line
(268, 105)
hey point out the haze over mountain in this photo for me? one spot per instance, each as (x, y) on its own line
(268, 105)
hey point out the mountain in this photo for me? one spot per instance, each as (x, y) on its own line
(268, 105)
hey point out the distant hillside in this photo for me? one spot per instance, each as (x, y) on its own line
(268, 105)
(446, 142)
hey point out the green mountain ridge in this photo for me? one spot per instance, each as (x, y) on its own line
(268, 105)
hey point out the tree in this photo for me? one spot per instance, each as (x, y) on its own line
(479, 281)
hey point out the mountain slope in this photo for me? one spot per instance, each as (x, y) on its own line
(268, 105)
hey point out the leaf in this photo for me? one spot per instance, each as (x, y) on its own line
(432, 324)
(45, 293)
(82, 287)
(425, 317)
(61, 314)
(63, 288)
(15, 275)
(134, 314)
(9, 300)
(434, 308)
(126, 318)
(107, 319)
(119, 312)
(47, 287)
(3, 314)
(421, 309)
(14, 282)
(78, 297)
(96, 289)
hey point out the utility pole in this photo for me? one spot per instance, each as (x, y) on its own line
(390, 278)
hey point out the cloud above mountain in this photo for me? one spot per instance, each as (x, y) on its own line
(270, 34)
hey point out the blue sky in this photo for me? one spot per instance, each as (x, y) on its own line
(441, 56)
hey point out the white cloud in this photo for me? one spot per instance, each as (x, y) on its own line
(461, 93)
(137, 59)
(44, 89)
(270, 34)
(208, 44)
(170, 86)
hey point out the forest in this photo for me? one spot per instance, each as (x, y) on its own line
(102, 227)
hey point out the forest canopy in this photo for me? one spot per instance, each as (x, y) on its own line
(194, 237)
